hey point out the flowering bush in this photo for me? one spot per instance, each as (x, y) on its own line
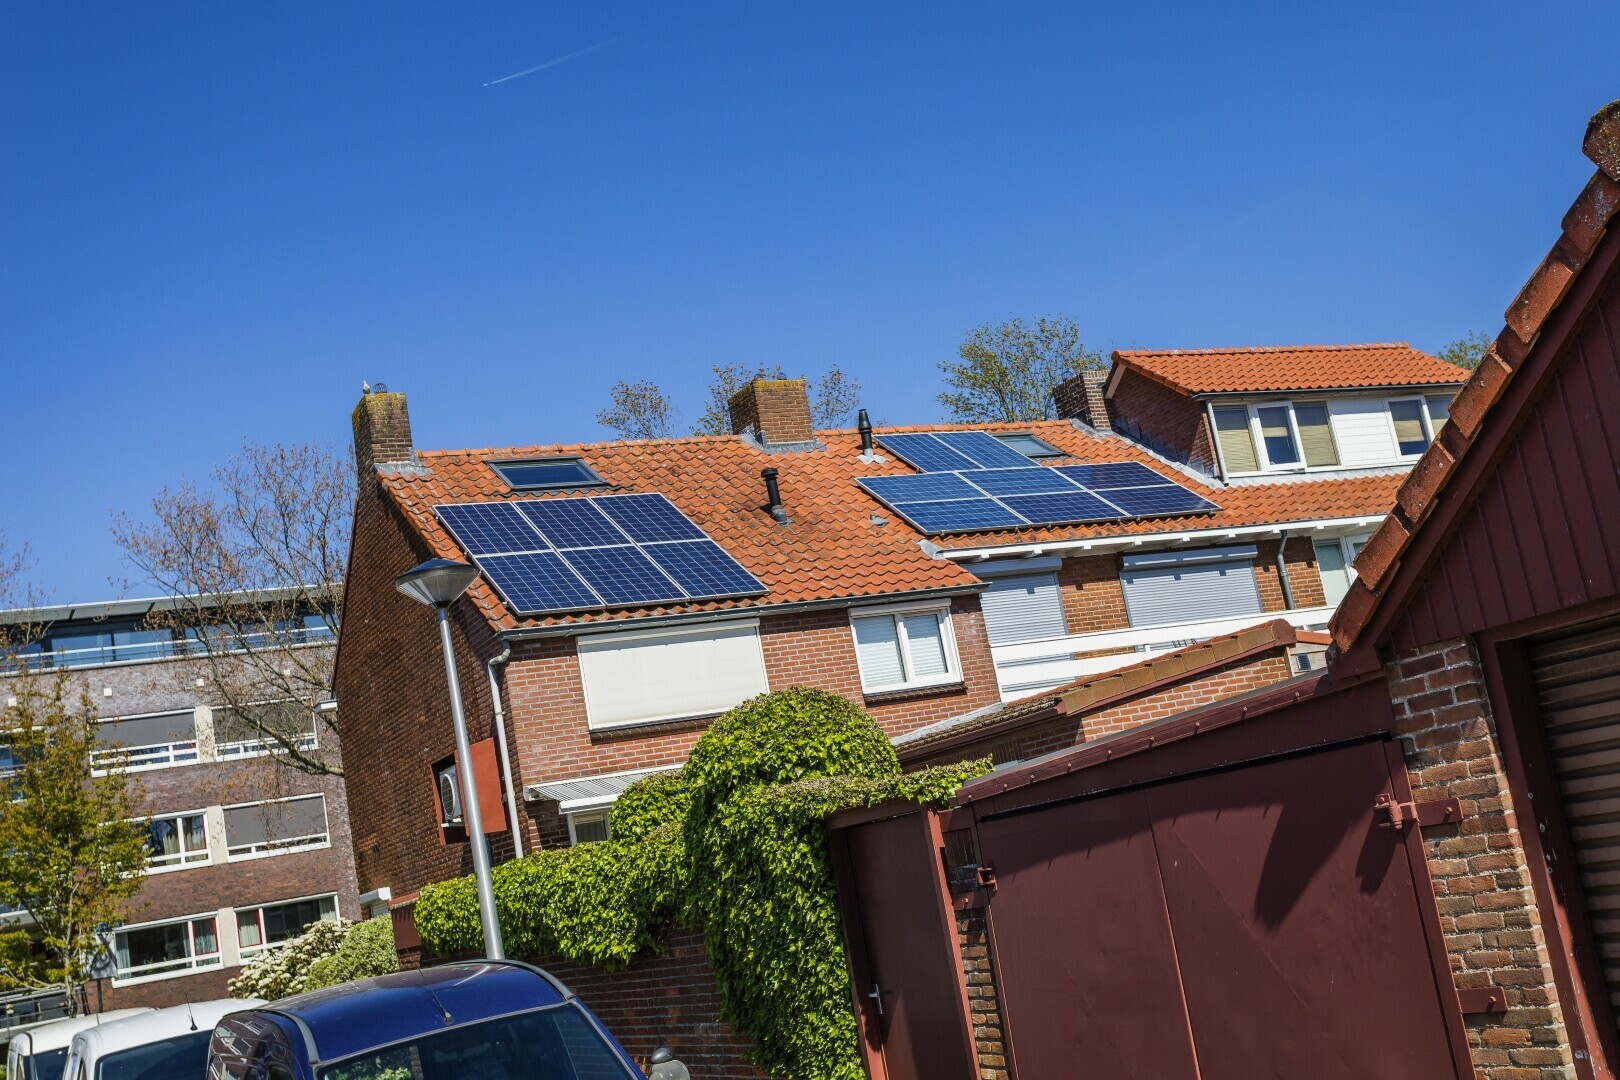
(280, 972)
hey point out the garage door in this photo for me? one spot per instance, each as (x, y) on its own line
(1211, 583)
(1577, 676)
(1245, 924)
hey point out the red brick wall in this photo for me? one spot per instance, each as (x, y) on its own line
(209, 985)
(984, 1004)
(1488, 914)
(1164, 415)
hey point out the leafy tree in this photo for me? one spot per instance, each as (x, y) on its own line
(70, 851)
(1006, 372)
(1466, 352)
(728, 379)
(256, 561)
(640, 410)
(836, 399)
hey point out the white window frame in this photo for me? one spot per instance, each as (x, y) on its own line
(242, 749)
(206, 855)
(186, 966)
(271, 848)
(605, 813)
(175, 755)
(952, 674)
(246, 951)
(1422, 403)
(1264, 456)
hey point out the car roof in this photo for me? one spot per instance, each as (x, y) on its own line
(347, 1019)
(157, 1025)
(58, 1033)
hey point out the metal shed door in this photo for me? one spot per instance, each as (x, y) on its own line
(1577, 678)
(1189, 591)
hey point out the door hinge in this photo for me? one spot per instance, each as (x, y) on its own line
(1402, 815)
(987, 877)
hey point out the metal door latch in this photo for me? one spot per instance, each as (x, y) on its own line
(1403, 815)
(877, 996)
(986, 876)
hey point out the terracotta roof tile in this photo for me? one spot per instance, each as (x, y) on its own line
(1291, 367)
(1583, 226)
(832, 549)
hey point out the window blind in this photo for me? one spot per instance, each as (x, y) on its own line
(1025, 608)
(1439, 410)
(1315, 433)
(267, 823)
(1409, 433)
(1190, 592)
(643, 678)
(1237, 444)
(877, 640)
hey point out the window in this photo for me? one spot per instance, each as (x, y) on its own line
(1335, 561)
(165, 948)
(588, 827)
(639, 678)
(1277, 435)
(263, 927)
(1315, 433)
(250, 730)
(900, 649)
(544, 473)
(1235, 439)
(1409, 415)
(1167, 587)
(1439, 406)
(282, 825)
(1022, 607)
(176, 840)
(147, 742)
(1029, 445)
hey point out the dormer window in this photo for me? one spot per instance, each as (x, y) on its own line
(1348, 431)
(547, 474)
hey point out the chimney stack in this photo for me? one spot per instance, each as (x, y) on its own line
(1082, 397)
(382, 430)
(776, 411)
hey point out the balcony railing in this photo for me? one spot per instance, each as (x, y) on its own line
(170, 649)
(1031, 666)
(30, 1008)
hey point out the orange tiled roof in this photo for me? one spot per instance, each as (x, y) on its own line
(1291, 367)
(1583, 226)
(832, 549)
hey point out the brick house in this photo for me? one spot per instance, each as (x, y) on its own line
(244, 851)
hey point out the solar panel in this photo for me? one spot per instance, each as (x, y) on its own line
(1154, 501)
(649, 518)
(572, 523)
(484, 528)
(927, 453)
(603, 551)
(972, 500)
(703, 569)
(986, 451)
(1114, 474)
(537, 581)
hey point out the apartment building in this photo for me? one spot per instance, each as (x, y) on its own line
(245, 851)
(632, 591)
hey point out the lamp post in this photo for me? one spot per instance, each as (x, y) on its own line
(437, 583)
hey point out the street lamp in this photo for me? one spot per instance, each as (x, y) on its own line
(437, 583)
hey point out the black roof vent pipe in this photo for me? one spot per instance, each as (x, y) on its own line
(773, 495)
(863, 424)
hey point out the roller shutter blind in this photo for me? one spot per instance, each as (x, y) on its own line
(641, 678)
(1197, 585)
(1237, 443)
(176, 727)
(1577, 677)
(265, 825)
(1025, 608)
(1315, 433)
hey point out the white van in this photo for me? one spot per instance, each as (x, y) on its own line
(41, 1053)
(166, 1044)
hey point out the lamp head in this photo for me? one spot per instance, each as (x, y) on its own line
(436, 582)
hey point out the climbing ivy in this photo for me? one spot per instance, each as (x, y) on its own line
(732, 844)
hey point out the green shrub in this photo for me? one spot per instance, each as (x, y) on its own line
(367, 950)
(280, 972)
(732, 844)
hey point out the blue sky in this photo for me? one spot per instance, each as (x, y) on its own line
(219, 218)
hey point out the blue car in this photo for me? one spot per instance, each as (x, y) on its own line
(476, 1020)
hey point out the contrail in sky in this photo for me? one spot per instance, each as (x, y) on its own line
(552, 63)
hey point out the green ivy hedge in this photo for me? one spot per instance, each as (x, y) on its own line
(732, 844)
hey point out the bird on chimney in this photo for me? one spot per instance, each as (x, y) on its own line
(365, 388)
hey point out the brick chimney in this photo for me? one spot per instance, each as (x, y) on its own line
(776, 411)
(1081, 397)
(382, 431)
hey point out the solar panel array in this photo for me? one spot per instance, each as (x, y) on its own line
(972, 482)
(552, 555)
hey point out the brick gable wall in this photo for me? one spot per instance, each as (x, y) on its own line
(1164, 415)
(1488, 914)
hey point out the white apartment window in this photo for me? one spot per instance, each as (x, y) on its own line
(168, 948)
(244, 731)
(276, 827)
(156, 741)
(588, 827)
(262, 928)
(903, 648)
(641, 678)
(175, 840)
